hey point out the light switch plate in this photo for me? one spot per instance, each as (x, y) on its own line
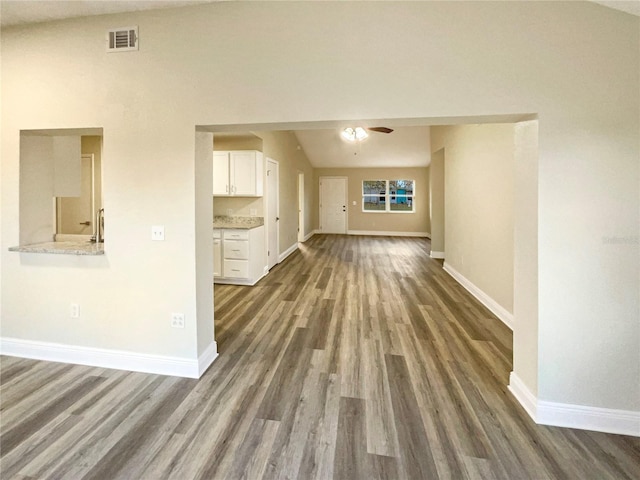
(157, 232)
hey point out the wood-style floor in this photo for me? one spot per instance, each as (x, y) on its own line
(357, 358)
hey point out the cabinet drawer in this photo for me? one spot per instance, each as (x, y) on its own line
(236, 249)
(236, 268)
(236, 235)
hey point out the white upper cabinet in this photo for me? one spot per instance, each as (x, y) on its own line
(238, 173)
(221, 173)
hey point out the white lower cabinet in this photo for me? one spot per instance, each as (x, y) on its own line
(238, 256)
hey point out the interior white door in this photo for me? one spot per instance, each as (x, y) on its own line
(273, 220)
(333, 205)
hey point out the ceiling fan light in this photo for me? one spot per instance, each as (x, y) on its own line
(349, 134)
(354, 134)
(361, 133)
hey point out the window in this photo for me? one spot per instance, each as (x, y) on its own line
(387, 196)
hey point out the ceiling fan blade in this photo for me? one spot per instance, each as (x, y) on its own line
(380, 129)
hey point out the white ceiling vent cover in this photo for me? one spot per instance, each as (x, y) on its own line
(122, 39)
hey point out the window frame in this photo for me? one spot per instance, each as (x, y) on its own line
(387, 195)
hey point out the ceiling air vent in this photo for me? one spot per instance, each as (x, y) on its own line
(122, 39)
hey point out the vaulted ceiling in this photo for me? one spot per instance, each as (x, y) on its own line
(406, 146)
(14, 12)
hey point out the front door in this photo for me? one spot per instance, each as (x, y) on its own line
(333, 205)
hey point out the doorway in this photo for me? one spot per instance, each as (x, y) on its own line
(273, 212)
(333, 205)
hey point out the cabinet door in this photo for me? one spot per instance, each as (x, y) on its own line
(221, 174)
(243, 173)
(217, 257)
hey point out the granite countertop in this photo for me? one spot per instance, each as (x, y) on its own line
(64, 248)
(246, 223)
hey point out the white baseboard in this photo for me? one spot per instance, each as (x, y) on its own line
(497, 309)
(527, 399)
(621, 422)
(116, 359)
(387, 234)
(206, 359)
(287, 252)
(439, 255)
(309, 235)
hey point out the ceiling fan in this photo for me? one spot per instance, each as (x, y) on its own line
(380, 129)
(358, 134)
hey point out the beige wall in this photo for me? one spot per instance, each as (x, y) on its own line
(359, 221)
(236, 64)
(282, 146)
(240, 142)
(436, 203)
(479, 205)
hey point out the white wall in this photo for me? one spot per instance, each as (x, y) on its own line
(204, 241)
(525, 267)
(479, 205)
(575, 64)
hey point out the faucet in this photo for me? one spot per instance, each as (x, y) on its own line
(99, 236)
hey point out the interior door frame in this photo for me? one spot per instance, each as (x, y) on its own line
(301, 233)
(346, 200)
(276, 248)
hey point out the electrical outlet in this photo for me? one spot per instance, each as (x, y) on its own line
(229, 212)
(75, 310)
(177, 320)
(157, 232)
